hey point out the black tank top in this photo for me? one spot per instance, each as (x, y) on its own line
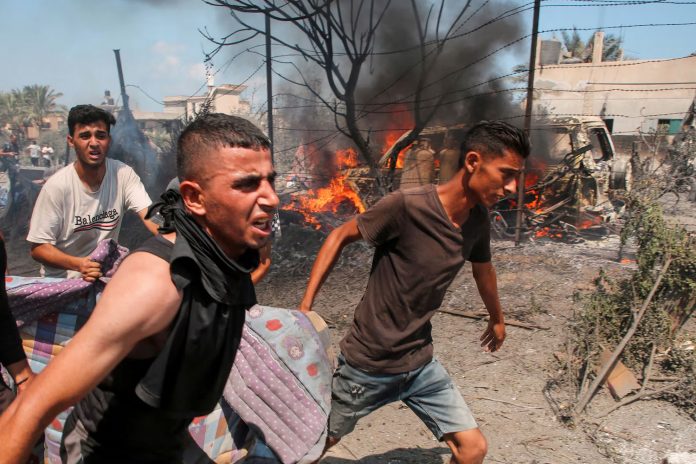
(121, 427)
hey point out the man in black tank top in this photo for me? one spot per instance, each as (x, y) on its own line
(160, 344)
(422, 237)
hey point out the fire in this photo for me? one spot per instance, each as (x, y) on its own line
(587, 223)
(347, 158)
(400, 121)
(548, 232)
(336, 198)
(390, 139)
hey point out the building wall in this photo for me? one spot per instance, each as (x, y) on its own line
(637, 105)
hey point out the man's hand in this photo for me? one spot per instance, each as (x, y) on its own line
(90, 269)
(494, 336)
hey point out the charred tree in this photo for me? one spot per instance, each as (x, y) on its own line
(377, 58)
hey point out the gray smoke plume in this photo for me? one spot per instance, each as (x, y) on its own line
(456, 81)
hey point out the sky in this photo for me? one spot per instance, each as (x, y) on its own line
(68, 44)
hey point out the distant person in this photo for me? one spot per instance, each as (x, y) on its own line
(159, 347)
(84, 202)
(419, 164)
(422, 237)
(47, 155)
(449, 159)
(11, 147)
(34, 153)
(9, 153)
(11, 352)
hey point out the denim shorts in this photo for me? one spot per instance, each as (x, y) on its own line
(428, 391)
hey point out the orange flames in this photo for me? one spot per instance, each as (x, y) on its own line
(390, 139)
(337, 197)
(399, 122)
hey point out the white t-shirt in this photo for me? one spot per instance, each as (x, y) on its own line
(74, 220)
(34, 150)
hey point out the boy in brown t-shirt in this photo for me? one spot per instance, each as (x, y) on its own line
(422, 237)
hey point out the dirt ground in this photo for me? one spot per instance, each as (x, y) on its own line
(537, 282)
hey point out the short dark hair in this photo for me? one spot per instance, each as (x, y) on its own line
(85, 114)
(210, 131)
(492, 138)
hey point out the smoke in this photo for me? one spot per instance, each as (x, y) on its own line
(455, 82)
(470, 58)
(130, 145)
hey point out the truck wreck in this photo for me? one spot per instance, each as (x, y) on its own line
(576, 182)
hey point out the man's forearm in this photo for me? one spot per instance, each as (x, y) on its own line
(326, 258)
(487, 285)
(151, 226)
(19, 430)
(323, 264)
(48, 254)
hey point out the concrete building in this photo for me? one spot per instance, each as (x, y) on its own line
(632, 96)
(224, 98)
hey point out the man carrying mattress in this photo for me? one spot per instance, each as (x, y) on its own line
(160, 344)
(422, 237)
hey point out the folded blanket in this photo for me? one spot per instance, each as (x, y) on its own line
(280, 384)
(32, 297)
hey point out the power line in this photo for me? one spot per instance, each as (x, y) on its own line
(145, 93)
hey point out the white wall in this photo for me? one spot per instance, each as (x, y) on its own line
(637, 103)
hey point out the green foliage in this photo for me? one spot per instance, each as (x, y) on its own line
(609, 310)
(582, 49)
(681, 360)
(656, 240)
(22, 108)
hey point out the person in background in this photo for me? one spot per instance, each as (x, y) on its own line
(11, 352)
(419, 165)
(84, 202)
(47, 155)
(449, 159)
(34, 153)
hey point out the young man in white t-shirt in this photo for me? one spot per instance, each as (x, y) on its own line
(84, 202)
(33, 149)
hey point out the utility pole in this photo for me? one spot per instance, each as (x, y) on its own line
(124, 95)
(527, 118)
(269, 81)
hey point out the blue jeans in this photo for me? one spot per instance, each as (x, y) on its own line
(428, 391)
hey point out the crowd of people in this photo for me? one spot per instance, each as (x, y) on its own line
(38, 155)
(161, 341)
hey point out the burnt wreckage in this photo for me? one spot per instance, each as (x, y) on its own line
(576, 182)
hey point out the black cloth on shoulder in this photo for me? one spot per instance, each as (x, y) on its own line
(188, 376)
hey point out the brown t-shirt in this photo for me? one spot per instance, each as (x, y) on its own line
(418, 254)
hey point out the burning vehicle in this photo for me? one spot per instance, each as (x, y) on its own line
(575, 182)
(574, 187)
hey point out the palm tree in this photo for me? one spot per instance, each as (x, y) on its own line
(577, 48)
(41, 100)
(13, 109)
(582, 49)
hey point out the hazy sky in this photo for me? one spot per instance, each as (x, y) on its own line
(68, 44)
